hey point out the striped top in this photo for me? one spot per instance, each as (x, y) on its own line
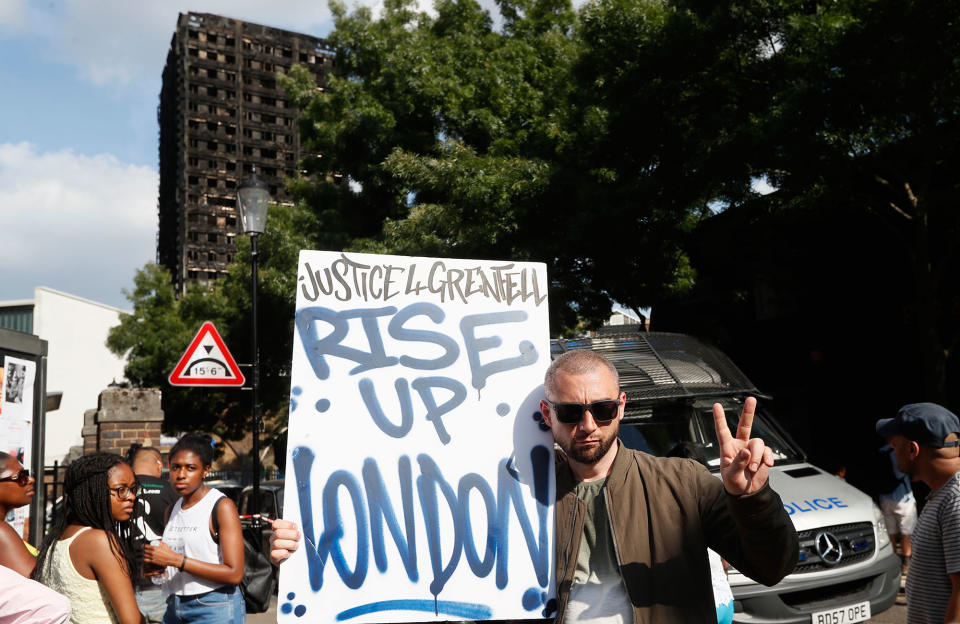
(936, 554)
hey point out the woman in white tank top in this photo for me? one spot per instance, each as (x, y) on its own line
(89, 554)
(205, 573)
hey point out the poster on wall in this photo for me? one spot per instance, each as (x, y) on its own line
(16, 418)
(418, 467)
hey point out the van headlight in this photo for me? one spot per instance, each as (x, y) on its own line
(883, 538)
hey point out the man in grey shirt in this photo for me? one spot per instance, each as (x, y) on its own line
(925, 439)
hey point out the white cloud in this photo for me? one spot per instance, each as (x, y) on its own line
(80, 224)
(13, 13)
(122, 44)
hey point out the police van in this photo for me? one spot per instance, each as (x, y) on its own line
(847, 569)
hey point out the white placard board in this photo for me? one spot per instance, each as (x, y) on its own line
(418, 467)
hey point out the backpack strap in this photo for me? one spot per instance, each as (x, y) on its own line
(215, 533)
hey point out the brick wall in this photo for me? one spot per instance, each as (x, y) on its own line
(123, 416)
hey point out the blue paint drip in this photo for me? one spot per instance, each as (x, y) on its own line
(475, 344)
(323, 405)
(429, 481)
(503, 409)
(286, 608)
(300, 610)
(532, 598)
(291, 596)
(550, 609)
(465, 610)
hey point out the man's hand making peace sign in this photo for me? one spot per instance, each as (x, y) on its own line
(744, 462)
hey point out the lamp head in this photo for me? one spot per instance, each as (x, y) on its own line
(253, 197)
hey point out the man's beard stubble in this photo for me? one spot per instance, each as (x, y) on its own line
(585, 456)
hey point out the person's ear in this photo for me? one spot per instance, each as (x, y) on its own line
(545, 412)
(913, 450)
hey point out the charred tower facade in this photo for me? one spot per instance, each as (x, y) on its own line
(221, 113)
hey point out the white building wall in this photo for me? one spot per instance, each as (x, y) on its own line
(78, 363)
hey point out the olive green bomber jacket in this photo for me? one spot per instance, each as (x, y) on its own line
(664, 514)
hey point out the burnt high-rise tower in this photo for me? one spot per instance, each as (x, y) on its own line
(221, 113)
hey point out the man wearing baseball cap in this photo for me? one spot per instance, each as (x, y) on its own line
(926, 443)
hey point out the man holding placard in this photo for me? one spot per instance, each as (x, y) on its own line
(632, 530)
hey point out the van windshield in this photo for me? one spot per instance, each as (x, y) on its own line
(677, 430)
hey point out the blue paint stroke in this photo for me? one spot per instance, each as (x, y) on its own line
(509, 494)
(424, 386)
(316, 347)
(475, 344)
(302, 464)
(381, 511)
(374, 511)
(532, 598)
(430, 480)
(333, 528)
(479, 566)
(463, 610)
(380, 419)
(399, 332)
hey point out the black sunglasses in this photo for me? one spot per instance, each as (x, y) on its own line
(571, 413)
(21, 478)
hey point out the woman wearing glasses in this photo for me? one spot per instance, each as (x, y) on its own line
(16, 490)
(89, 554)
(205, 558)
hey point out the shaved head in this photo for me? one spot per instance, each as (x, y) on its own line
(576, 362)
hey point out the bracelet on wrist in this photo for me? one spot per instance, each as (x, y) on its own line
(183, 563)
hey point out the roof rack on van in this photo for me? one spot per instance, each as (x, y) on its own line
(654, 366)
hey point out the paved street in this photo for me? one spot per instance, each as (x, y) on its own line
(270, 617)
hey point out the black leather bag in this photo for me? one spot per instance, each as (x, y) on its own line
(259, 575)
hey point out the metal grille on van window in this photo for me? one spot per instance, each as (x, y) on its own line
(654, 366)
(856, 541)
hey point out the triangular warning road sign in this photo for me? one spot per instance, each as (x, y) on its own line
(207, 362)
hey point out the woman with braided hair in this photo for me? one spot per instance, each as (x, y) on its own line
(89, 555)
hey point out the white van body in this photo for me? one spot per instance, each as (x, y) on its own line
(847, 568)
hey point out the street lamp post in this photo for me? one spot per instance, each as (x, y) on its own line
(252, 200)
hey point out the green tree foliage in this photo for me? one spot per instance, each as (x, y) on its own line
(866, 120)
(161, 326)
(600, 142)
(847, 107)
(154, 337)
(441, 136)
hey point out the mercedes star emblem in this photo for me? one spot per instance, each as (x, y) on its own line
(829, 548)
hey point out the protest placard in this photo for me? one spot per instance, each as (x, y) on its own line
(418, 467)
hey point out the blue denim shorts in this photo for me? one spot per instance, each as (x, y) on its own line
(151, 603)
(224, 605)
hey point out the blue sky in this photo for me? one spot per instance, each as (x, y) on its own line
(78, 135)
